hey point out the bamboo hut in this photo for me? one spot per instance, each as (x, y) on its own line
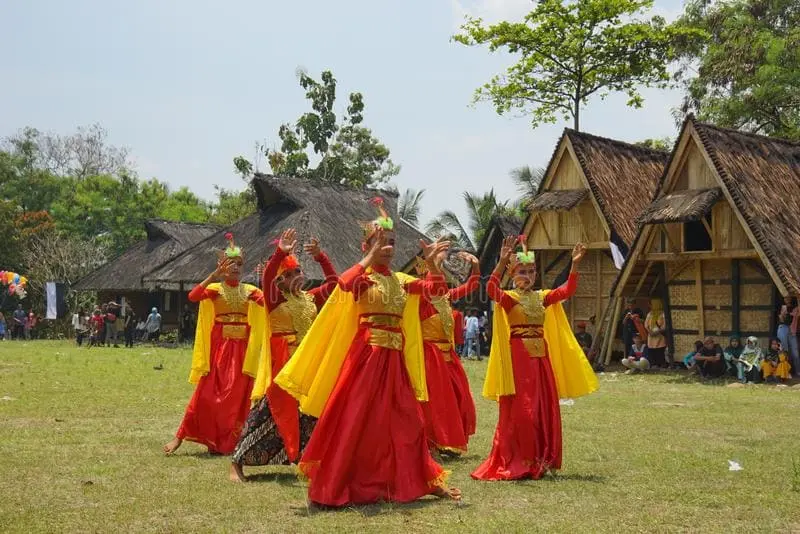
(329, 212)
(721, 241)
(593, 191)
(122, 278)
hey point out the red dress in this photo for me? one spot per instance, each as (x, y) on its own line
(221, 400)
(369, 443)
(527, 441)
(275, 432)
(450, 410)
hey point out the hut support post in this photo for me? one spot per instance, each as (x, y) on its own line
(614, 321)
(698, 265)
(603, 332)
(736, 279)
(598, 305)
(644, 276)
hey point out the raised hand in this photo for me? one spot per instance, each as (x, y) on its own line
(578, 252)
(507, 248)
(222, 268)
(312, 247)
(378, 244)
(476, 264)
(288, 241)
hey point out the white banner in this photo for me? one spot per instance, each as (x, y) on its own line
(52, 305)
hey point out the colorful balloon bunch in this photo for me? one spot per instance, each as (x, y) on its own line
(16, 283)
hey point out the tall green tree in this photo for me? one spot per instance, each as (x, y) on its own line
(568, 51)
(746, 73)
(346, 151)
(480, 210)
(409, 205)
(527, 180)
(664, 143)
(232, 206)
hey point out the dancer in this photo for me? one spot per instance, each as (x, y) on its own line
(361, 370)
(450, 410)
(534, 360)
(227, 349)
(276, 432)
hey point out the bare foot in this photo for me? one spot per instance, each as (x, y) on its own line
(237, 474)
(172, 446)
(453, 494)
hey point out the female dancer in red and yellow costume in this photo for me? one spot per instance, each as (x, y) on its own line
(276, 432)
(361, 370)
(450, 410)
(227, 349)
(534, 359)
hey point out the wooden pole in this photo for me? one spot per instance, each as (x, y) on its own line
(698, 266)
(601, 333)
(736, 279)
(642, 279)
(614, 321)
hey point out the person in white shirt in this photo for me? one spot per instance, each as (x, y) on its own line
(471, 333)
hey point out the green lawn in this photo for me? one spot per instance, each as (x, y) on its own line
(81, 433)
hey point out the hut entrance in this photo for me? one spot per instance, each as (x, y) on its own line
(695, 235)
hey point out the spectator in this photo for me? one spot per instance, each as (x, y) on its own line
(130, 327)
(152, 326)
(655, 324)
(458, 331)
(97, 328)
(584, 338)
(30, 324)
(749, 364)
(2, 327)
(637, 358)
(631, 316)
(776, 363)
(732, 353)
(111, 316)
(80, 324)
(19, 318)
(139, 330)
(471, 333)
(787, 330)
(688, 360)
(709, 361)
(187, 325)
(483, 338)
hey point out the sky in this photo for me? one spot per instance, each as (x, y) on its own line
(188, 85)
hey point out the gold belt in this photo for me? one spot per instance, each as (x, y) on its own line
(527, 330)
(388, 339)
(234, 331)
(291, 337)
(381, 319)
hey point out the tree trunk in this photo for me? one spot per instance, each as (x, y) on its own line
(576, 117)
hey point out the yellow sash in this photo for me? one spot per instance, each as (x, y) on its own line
(312, 372)
(573, 374)
(258, 350)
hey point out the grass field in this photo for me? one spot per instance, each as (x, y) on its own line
(81, 433)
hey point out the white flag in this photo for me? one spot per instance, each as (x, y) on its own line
(52, 307)
(616, 253)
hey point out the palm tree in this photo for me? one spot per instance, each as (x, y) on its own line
(481, 209)
(527, 180)
(408, 206)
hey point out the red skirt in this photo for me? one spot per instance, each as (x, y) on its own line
(221, 400)
(284, 407)
(527, 441)
(369, 444)
(450, 410)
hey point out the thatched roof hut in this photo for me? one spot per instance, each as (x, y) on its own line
(721, 241)
(593, 191)
(329, 212)
(165, 240)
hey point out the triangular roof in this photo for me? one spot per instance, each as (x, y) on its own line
(330, 212)
(622, 177)
(165, 240)
(760, 177)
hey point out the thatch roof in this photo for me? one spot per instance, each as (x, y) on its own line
(165, 240)
(329, 212)
(681, 206)
(623, 177)
(762, 176)
(563, 200)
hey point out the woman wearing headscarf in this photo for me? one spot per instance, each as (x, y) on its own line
(655, 324)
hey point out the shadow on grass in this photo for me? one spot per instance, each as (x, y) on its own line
(289, 479)
(576, 477)
(372, 510)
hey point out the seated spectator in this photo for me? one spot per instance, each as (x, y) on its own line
(776, 363)
(748, 366)
(709, 361)
(688, 360)
(637, 357)
(732, 353)
(584, 338)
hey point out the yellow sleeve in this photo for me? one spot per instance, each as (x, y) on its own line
(201, 353)
(413, 349)
(500, 370)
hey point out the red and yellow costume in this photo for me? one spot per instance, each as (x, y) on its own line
(361, 370)
(534, 360)
(227, 349)
(275, 431)
(450, 410)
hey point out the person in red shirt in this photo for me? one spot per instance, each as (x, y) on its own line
(97, 326)
(458, 330)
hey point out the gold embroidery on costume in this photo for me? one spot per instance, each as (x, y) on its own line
(445, 311)
(390, 291)
(302, 310)
(234, 297)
